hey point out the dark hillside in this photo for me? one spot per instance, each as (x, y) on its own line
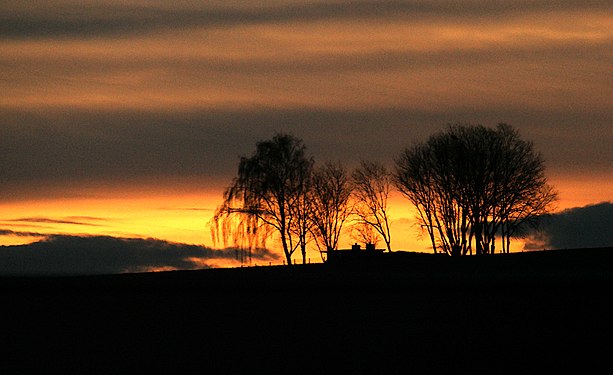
(404, 312)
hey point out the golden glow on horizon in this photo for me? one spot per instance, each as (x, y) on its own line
(582, 190)
(184, 217)
(171, 218)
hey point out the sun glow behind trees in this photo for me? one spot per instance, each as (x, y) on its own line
(183, 218)
(135, 111)
(470, 185)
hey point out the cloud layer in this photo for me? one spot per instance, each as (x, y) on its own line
(111, 96)
(102, 18)
(581, 227)
(77, 255)
(49, 150)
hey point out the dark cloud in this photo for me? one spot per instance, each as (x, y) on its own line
(75, 255)
(581, 227)
(94, 20)
(72, 148)
(9, 232)
(40, 150)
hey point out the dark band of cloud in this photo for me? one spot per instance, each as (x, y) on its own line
(77, 255)
(68, 20)
(9, 232)
(41, 150)
(574, 228)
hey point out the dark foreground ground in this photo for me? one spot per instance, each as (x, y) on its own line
(529, 312)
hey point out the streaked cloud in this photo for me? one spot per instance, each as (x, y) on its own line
(187, 209)
(45, 220)
(109, 18)
(394, 64)
(10, 232)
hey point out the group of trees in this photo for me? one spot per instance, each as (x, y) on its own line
(469, 184)
(280, 190)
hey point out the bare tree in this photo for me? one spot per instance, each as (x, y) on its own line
(330, 193)
(372, 185)
(470, 184)
(264, 196)
(301, 216)
(527, 214)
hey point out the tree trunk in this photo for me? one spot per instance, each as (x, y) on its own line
(478, 240)
(288, 255)
(456, 250)
(508, 243)
(303, 251)
(389, 246)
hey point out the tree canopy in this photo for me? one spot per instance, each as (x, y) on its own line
(266, 194)
(470, 183)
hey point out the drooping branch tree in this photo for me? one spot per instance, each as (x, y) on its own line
(471, 183)
(264, 196)
(330, 193)
(372, 185)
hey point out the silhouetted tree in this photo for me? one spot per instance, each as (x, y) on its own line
(372, 185)
(470, 183)
(265, 195)
(301, 215)
(527, 214)
(330, 193)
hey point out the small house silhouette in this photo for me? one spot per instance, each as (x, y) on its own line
(354, 255)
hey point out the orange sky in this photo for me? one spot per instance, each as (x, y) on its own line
(127, 118)
(508, 61)
(183, 217)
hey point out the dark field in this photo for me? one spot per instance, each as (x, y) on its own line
(406, 313)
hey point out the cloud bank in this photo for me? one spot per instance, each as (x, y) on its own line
(574, 228)
(88, 255)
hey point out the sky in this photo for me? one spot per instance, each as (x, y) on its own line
(125, 120)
